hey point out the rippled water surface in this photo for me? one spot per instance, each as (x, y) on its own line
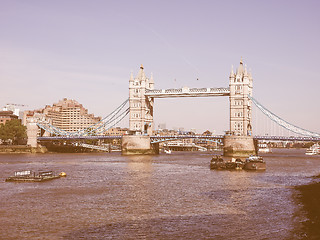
(109, 196)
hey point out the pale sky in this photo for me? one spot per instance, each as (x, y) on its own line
(85, 50)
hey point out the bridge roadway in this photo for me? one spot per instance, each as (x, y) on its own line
(155, 139)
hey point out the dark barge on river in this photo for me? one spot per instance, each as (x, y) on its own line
(250, 163)
(30, 176)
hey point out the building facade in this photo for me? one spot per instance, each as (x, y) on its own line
(240, 104)
(116, 131)
(70, 116)
(67, 115)
(6, 116)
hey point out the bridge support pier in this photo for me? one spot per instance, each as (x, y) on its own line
(138, 145)
(32, 131)
(238, 146)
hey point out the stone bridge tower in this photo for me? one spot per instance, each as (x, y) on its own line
(140, 118)
(141, 106)
(240, 105)
(239, 141)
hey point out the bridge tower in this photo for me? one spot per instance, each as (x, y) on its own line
(140, 118)
(239, 141)
(141, 106)
(240, 85)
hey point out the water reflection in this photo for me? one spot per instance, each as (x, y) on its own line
(139, 187)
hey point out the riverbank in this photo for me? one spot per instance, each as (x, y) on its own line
(22, 149)
(309, 197)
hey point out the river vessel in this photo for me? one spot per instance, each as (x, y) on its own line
(217, 162)
(254, 163)
(263, 148)
(30, 176)
(167, 151)
(313, 150)
(235, 164)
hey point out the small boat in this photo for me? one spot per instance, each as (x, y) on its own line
(254, 163)
(167, 151)
(30, 176)
(313, 150)
(263, 148)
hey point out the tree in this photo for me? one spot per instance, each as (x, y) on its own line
(13, 130)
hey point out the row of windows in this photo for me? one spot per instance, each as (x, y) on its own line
(136, 126)
(238, 102)
(136, 104)
(238, 80)
(136, 115)
(238, 126)
(238, 114)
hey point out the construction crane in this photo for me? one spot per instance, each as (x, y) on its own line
(14, 104)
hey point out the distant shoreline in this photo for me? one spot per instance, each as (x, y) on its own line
(21, 149)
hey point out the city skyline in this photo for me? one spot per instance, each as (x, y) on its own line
(86, 52)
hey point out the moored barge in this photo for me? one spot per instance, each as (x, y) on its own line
(30, 176)
(217, 162)
(255, 163)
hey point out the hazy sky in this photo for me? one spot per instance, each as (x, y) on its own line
(85, 50)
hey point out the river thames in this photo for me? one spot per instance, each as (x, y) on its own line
(177, 196)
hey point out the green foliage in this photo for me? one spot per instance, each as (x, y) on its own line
(13, 130)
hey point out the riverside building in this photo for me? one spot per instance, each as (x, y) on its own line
(67, 115)
(6, 116)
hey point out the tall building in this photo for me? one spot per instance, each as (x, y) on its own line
(240, 103)
(69, 115)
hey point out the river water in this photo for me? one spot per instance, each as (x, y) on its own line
(177, 196)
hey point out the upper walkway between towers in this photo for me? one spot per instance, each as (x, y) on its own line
(187, 92)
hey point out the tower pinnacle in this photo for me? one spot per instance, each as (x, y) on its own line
(231, 73)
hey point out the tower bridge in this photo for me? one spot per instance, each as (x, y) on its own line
(141, 108)
(237, 142)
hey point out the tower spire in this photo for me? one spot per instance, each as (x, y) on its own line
(245, 70)
(151, 78)
(131, 76)
(231, 73)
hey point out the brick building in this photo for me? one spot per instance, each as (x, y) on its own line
(6, 116)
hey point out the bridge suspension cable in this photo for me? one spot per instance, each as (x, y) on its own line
(112, 117)
(282, 122)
